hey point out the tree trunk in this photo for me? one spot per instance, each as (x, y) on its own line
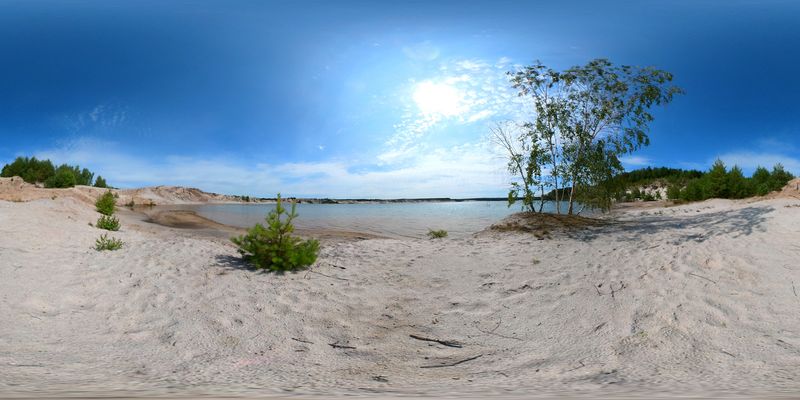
(541, 198)
(571, 195)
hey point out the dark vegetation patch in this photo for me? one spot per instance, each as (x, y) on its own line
(32, 170)
(543, 225)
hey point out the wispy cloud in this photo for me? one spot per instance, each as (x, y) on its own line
(100, 117)
(484, 93)
(423, 51)
(749, 160)
(457, 171)
(635, 161)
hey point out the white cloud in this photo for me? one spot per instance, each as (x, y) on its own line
(749, 161)
(482, 90)
(471, 65)
(635, 160)
(102, 116)
(483, 114)
(423, 51)
(458, 171)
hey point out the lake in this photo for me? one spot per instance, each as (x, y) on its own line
(384, 219)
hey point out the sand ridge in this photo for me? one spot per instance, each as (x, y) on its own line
(694, 299)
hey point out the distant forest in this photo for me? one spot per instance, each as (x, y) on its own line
(44, 172)
(692, 185)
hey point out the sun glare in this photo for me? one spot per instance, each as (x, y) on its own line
(438, 98)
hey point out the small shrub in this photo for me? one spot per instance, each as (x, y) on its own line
(63, 178)
(273, 247)
(437, 234)
(105, 243)
(100, 182)
(107, 222)
(106, 203)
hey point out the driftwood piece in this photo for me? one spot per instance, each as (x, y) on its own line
(448, 343)
(703, 277)
(340, 346)
(328, 276)
(453, 364)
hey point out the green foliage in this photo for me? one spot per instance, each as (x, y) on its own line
(437, 234)
(642, 176)
(779, 177)
(718, 182)
(109, 223)
(736, 184)
(106, 203)
(760, 182)
(100, 182)
(673, 192)
(715, 182)
(32, 170)
(106, 243)
(694, 191)
(69, 176)
(586, 117)
(63, 178)
(273, 247)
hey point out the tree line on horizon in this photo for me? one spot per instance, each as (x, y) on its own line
(35, 171)
(693, 185)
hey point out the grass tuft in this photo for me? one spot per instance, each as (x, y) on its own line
(437, 234)
(105, 243)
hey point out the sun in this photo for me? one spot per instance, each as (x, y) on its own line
(438, 98)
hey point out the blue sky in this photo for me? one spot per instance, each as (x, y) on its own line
(368, 98)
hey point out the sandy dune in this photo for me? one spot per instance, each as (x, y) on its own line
(16, 190)
(695, 299)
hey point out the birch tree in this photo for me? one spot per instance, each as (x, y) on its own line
(585, 118)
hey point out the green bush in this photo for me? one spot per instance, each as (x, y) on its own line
(437, 234)
(106, 243)
(32, 170)
(673, 192)
(273, 247)
(100, 182)
(106, 203)
(63, 178)
(779, 177)
(108, 223)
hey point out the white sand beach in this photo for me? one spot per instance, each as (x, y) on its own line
(699, 299)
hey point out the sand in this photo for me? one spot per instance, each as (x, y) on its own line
(699, 299)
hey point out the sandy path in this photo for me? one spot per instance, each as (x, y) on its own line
(683, 300)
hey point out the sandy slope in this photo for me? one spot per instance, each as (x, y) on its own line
(16, 190)
(692, 299)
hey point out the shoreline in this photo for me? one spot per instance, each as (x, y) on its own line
(190, 221)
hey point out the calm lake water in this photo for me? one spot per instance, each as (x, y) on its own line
(388, 219)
